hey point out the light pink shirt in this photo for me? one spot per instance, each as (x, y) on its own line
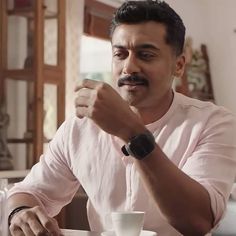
(198, 137)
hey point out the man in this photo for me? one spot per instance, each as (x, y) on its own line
(140, 146)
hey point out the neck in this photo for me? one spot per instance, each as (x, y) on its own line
(153, 113)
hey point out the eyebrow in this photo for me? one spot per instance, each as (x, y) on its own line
(141, 46)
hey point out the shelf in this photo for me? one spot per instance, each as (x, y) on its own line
(9, 174)
(25, 12)
(24, 74)
(25, 140)
(19, 74)
(20, 140)
(30, 13)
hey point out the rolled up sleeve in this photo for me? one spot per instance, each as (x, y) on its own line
(213, 162)
(51, 181)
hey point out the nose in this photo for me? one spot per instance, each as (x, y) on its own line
(131, 65)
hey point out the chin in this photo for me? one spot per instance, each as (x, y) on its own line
(133, 101)
(133, 98)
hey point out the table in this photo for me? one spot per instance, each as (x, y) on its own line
(8, 174)
(227, 225)
(69, 232)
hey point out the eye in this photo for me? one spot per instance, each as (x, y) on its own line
(120, 54)
(146, 55)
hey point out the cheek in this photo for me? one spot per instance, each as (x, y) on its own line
(116, 68)
(115, 77)
(159, 72)
(159, 80)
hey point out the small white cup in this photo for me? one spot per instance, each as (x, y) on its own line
(3, 208)
(233, 192)
(127, 223)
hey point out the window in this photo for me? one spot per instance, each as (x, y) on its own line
(97, 18)
(95, 59)
(95, 56)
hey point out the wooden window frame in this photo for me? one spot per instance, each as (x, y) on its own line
(97, 19)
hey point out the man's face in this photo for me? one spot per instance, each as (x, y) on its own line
(141, 55)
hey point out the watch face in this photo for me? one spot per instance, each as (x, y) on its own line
(141, 145)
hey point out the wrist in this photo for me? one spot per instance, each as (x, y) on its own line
(140, 145)
(15, 211)
(132, 131)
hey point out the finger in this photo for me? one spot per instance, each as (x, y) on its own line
(27, 230)
(85, 97)
(82, 112)
(88, 83)
(84, 92)
(16, 231)
(47, 223)
(82, 102)
(54, 221)
(28, 223)
(37, 228)
(77, 88)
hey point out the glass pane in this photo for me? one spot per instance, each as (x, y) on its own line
(51, 7)
(16, 104)
(20, 31)
(51, 42)
(51, 32)
(17, 42)
(91, 65)
(19, 155)
(15, 126)
(50, 111)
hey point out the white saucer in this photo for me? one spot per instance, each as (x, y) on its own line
(143, 233)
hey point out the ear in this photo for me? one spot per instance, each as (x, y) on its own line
(179, 66)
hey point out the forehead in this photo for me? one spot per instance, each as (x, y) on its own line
(131, 35)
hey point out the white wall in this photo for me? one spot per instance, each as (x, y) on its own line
(193, 13)
(213, 22)
(221, 20)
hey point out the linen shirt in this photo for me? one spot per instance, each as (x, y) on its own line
(198, 137)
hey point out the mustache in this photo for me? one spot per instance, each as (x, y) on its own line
(135, 79)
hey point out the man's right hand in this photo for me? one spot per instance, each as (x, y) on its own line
(33, 221)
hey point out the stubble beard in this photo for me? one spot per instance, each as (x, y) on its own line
(132, 98)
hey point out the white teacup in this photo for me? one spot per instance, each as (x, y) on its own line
(127, 223)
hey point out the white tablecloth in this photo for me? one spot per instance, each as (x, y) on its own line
(69, 232)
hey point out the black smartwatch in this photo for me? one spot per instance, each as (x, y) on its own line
(140, 145)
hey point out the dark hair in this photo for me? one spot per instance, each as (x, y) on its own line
(134, 12)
